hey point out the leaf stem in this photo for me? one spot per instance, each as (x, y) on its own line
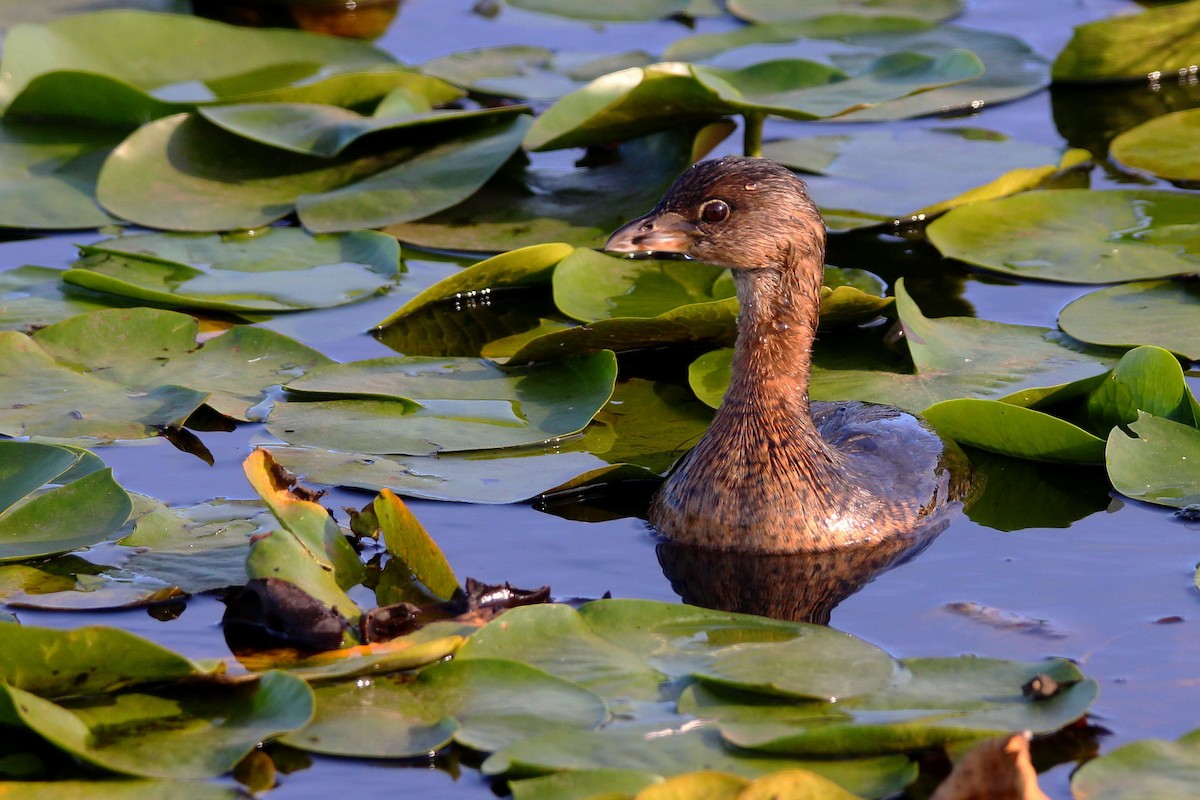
(752, 122)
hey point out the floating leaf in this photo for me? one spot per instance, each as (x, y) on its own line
(159, 355)
(1146, 379)
(642, 431)
(932, 702)
(1159, 146)
(198, 548)
(88, 660)
(167, 733)
(118, 790)
(1148, 768)
(582, 784)
(1160, 464)
(1014, 431)
(690, 746)
(524, 206)
(1161, 313)
(277, 269)
(616, 11)
(527, 72)
(81, 510)
(48, 175)
(68, 68)
(427, 645)
(1076, 235)
(862, 177)
(1133, 46)
(767, 11)
(419, 406)
(702, 46)
(34, 297)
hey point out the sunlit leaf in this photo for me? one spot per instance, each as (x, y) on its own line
(701, 785)
(1159, 146)
(1159, 464)
(528, 205)
(167, 733)
(614, 11)
(1161, 313)
(528, 72)
(429, 644)
(277, 269)
(34, 297)
(1014, 431)
(875, 177)
(127, 789)
(1146, 379)
(581, 784)
(1147, 768)
(411, 546)
(126, 67)
(768, 11)
(1076, 235)
(1133, 46)
(419, 406)
(702, 46)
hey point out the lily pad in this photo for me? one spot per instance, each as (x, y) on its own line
(84, 507)
(84, 661)
(1161, 313)
(616, 11)
(526, 72)
(418, 406)
(668, 750)
(1014, 431)
(932, 702)
(206, 179)
(703, 46)
(34, 297)
(128, 789)
(1076, 235)
(1159, 146)
(413, 550)
(527, 205)
(168, 733)
(638, 435)
(1159, 463)
(158, 356)
(768, 11)
(48, 174)
(277, 269)
(483, 704)
(126, 67)
(197, 548)
(1133, 46)
(1150, 768)
(1146, 379)
(861, 177)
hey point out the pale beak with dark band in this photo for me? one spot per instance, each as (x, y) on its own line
(666, 232)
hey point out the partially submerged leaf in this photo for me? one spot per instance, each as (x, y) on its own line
(1014, 431)
(615, 11)
(1164, 770)
(1076, 235)
(409, 545)
(34, 297)
(1159, 463)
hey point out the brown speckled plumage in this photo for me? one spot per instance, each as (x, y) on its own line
(773, 474)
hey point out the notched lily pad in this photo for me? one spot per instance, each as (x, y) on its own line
(1076, 235)
(276, 269)
(1159, 463)
(419, 405)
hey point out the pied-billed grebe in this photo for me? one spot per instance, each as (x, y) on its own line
(774, 474)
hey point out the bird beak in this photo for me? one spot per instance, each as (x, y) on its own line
(665, 232)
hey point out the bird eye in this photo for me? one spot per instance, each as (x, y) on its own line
(714, 211)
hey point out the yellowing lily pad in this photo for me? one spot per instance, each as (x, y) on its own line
(1160, 145)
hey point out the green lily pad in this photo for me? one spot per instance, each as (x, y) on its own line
(482, 704)
(1014, 431)
(118, 790)
(931, 703)
(277, 269)
(583, 784)
(953, 357)
(419, 406)
(197, 548)
(206, 179)
(48, 174)
(159, 355)
(642, 100)
(616, 11)
(639, 434)
(691, 746)
(861, 177)
(1159, 464)
(126, 67)
(80, 510)
(526, 266)
(1161, 313)
(702, 46)
(527, 205)
(1146, 379)
(526, 72)
(34, 297)
(1147, 768)
(84, 661)
(1133, 46)
(1076, 235)
(1159, 146)
(768, 11)
(169, 733)
(627, 649)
